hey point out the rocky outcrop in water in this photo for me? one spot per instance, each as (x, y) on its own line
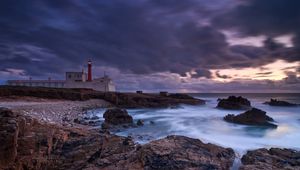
(272, 159)
(140, 122)
(274, 102)
(234, 103)
(251, 117)
(116, 117)
(28, 144)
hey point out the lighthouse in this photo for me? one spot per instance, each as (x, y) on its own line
(89, 71)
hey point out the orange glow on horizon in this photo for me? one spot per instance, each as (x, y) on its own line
(273, 71)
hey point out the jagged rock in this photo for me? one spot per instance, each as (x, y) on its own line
(167, 154)
(9, 130)
(173, 152)
(274, 102)
(140, 122)
(117, 116)
(251, 117)
(234, 103)
(87, 121)
(272, 159)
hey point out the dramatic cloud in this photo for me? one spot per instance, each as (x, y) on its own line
(268, 17)
(140, 38)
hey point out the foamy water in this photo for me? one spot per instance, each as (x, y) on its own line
(206, 123)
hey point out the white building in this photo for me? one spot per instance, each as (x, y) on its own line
(73, 80)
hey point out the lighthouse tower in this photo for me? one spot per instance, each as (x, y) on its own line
(89, 71)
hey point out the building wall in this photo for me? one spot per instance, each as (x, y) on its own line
(100, 84)
(97, 84)
(75, 76)
(37, 84)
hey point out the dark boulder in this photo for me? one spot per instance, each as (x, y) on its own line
(251, 117)
(274, 158)
(140, 122)
(116, 117)
(275, 102)
(234, 103)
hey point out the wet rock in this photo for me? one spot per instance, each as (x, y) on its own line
(175, 152)
(9, 130)
(273, 159)
(234, 103)
(95, 118)
(251, 117)
(29, 144)
(140, 122)
(167, 154)
(87, 121)
(274, 102)
(117, 116)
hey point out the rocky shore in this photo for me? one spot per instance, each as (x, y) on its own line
(273, 158)
(117, 99)
(42, 132)
(30, 144)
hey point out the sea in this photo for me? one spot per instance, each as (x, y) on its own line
(205, 122)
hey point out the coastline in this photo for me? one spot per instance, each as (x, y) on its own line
(53, 111)
(68, 145)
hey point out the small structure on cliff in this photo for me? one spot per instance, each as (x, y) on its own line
(73, 80)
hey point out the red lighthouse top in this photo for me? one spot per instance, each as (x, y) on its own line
(89, 71)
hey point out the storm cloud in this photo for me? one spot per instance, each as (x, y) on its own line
(142, 37)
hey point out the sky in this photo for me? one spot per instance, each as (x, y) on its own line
(153, 45)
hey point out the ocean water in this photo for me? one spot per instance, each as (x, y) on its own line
(206, 123)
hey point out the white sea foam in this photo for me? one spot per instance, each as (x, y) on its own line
(206, 123)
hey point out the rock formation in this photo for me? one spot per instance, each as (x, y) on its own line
(140, 122)
(93, 121)
(123, 100)
(251, 117)
(274, 102)
(234, 103)
(116, 117)
(28, 144)
(176, 152)
(273, 159)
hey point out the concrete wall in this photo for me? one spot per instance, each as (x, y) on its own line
(38, 84)
(97, 85)
(75, 76)
(100, 84)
